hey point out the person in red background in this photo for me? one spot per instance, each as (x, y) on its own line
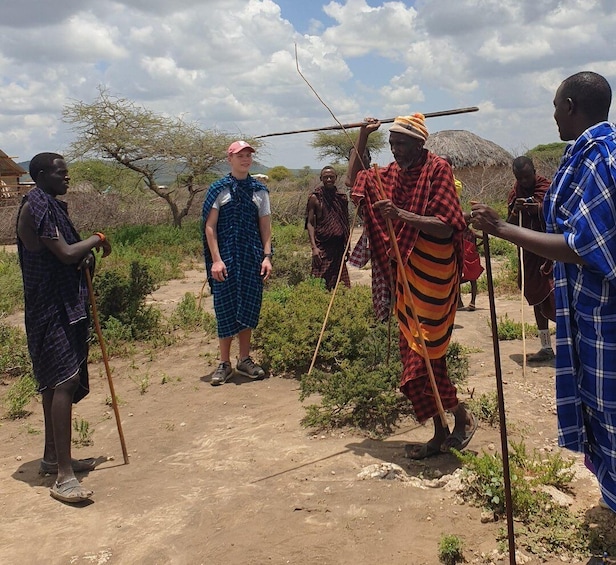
(327, 223)
(525, 208)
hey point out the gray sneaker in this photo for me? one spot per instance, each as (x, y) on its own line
(249, 368)
(222, 374)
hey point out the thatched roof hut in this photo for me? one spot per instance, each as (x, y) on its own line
(483, 166)
(468, 150)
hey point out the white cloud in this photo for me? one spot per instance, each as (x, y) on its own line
(230, 64)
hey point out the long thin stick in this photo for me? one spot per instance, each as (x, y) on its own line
(331, 300)
(359, 124)
(99, 333)
(521, 251)
(402, 276)
(501, 402)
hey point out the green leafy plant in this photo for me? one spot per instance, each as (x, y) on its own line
(544, 527)
(450, 550)
(457, 363)
(11, 297)
(83, 432)
(122, 297)
(14, 356)
(188, 316)
(509, 329)
(19, 396)
(485, 408)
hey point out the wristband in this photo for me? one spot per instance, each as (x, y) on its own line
(268, 255)
(101, 235)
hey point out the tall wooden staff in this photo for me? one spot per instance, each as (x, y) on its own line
(501, 403)
(521, 255)
(331, 300)
(101, 341)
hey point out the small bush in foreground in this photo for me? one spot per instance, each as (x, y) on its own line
(485, 408)
(19, 396)
(188, 316)
(11, 297)
(122, 297)
(543, 527)
(450, 550)
(357, 368)
(508, 329)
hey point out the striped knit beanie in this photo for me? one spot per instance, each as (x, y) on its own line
(414, 125)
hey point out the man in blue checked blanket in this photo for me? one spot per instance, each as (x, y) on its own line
(237, 239)
(580, 214)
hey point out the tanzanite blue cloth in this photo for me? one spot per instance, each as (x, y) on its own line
(237, 299)
(581, 205)
(56, 299)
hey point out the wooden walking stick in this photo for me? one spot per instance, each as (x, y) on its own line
(501, 403)
(99, 333)
(331, 300)
(521, 256)
(407, 291)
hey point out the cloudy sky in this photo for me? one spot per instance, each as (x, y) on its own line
(230, 64)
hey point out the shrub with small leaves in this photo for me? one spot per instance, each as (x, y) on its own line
(19, 396)
(509, 329)
(122, 297)
(545, 527)
(485, 408)
(450, 550)
(189, 316)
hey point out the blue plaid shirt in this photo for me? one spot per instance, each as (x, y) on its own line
(581, 205)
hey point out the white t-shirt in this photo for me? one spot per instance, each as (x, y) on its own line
(260, 199)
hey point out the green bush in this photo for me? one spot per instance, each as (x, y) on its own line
(485, 408)
(14, 356)
(292, 318)
(123, 298)
(19, 395)
(11, 297)
(509, 329)
(15, 364)
(362, 393)
(457, 363)
(450, 550)
(543, 527)
(357, 369)
(292, 261)
(188, 316)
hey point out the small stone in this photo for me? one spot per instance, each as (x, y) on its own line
(487, 516)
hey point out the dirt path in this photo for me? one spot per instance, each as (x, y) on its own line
(227, 475)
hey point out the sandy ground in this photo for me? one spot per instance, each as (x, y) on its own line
(227, 475)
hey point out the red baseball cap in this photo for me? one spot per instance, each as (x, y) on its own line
(237, 146)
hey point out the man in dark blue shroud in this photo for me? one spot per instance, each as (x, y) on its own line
(53, 259)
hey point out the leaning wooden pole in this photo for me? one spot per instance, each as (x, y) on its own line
(359, 124)
(331, 300)
(521, 259)
(99, 333)
(405, 282)
(501, 402)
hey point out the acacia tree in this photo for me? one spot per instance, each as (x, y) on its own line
(149, 143)
(338, 145)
